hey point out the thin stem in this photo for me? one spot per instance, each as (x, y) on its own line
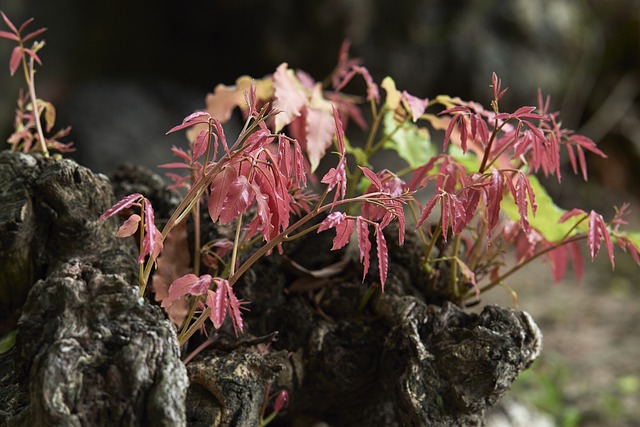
(454, 268)
(192, 330)
(234, 253)
(524, 262)
(34, 103)
(190, 314)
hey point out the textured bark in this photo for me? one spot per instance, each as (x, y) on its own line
(89, 350)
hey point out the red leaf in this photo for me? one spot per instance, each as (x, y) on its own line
(289, 97)
(187, 284)
(558, 261)
(571, 214)
(282, 400)
(364, 245)
(371, 176)
(16, 57)
(428, 208)
(238, 199)
(234, 310)
(220, 186)
(200, 144)
(597, 232)
(447, 134)
(126, 202)
(495, 190)
(130, 226)
(184, 126)
(383, 256)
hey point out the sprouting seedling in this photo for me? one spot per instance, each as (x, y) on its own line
(28, 134)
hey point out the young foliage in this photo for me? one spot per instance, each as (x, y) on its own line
(29, 134)
(483, 194)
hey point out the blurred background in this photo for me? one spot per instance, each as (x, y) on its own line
(121, 73)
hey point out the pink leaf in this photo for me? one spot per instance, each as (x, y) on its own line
(34, 55)
(219, 303)
(187, 284)
(234, 310)
(320, 127)
(220, 186)
(130, 226)
(343, 232)
(16, 57)
(7, 35)
(364, 245)
(200, 144)
(289, 97)
(597, 232)
(416, 105)
(282, 400)
(33, 34)
(371, 176)
(495, 189)
(238, 199)
(331, 221)
(383, 256)
(9, 23)
(128, 201)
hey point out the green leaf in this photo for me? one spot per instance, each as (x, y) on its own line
(412, 143)
(8, 341)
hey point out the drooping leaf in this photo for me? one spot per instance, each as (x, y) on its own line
(332, 220)
(220, 304)
(343, 232)
(200, 144)
(187, 284)
(383, 256)
(238, 199)
(416, 106)
(597, 232)
(220, 187)
(130, 226)
(234, 308)
(289, 96)
(364, 245)
(320, 128)
(14, 62)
